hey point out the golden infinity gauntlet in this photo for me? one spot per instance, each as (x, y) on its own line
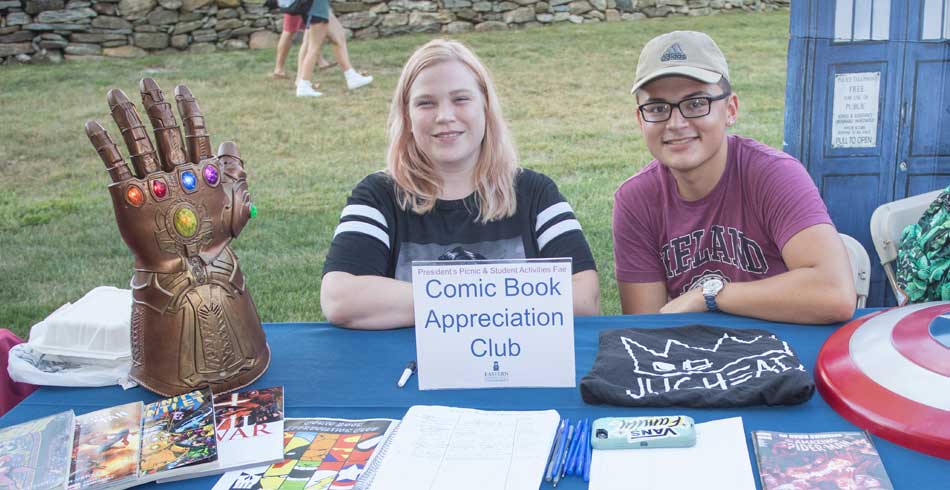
(193, 320)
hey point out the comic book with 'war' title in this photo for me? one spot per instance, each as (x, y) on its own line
(249, 429)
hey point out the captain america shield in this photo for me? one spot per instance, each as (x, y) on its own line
(889, 373)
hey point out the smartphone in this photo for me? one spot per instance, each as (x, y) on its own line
(643, 432)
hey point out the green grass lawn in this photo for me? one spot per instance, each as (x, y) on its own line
(564, 90)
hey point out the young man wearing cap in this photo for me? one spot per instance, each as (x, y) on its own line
(718, 221)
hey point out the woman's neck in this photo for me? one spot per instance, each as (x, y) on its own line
(457, 183)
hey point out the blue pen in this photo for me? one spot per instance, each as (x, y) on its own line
(559, 470)
(555, 449)
(575, 449)
(582, 456)
(590, 456)
(577, 468)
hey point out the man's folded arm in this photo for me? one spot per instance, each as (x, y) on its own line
(818, 287)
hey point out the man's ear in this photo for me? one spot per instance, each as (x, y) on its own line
(732, 108)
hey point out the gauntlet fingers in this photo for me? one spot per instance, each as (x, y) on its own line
(136, 138)
(197, 139)
(171, 151)
(108, 152)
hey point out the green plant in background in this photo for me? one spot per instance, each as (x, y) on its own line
(565, 92)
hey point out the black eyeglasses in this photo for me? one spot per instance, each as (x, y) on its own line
(690, 108)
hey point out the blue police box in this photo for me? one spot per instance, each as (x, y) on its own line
(867, 106)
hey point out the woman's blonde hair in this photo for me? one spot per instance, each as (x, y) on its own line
(417, 184)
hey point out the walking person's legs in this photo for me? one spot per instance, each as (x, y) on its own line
(313, 39)
(292, 25)
(354, 79)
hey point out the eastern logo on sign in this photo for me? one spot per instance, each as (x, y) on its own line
(496, 375)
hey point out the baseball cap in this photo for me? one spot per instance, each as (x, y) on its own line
(687, 53)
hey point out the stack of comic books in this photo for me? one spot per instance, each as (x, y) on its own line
(249, 430)
(128, 445)
(818, 460)
(131, 444)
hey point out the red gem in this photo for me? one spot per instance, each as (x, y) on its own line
(159, 188)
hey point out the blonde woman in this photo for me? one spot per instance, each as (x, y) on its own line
(452, 189)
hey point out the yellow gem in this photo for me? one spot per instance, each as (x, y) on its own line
(186, 223)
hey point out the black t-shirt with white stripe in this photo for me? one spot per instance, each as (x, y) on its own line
(376, 237)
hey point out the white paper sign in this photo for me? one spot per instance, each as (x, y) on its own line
(494, 323)
(855, 111)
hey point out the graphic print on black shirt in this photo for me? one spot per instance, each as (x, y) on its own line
(695, 366)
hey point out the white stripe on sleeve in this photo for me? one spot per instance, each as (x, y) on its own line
(364, 228)
(364, 211)
(552, 211)
(557, 230)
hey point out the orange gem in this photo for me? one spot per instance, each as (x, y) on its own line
(135, 196)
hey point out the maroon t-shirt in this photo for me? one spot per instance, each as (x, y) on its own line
(736, 232)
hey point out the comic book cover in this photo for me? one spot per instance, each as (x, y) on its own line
(35, 455)
(819, 461)
(319, 454)
(106, 446)
(249, 429)
(178, 432)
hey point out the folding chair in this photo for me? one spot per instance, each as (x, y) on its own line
(887, 223)
(860, 267)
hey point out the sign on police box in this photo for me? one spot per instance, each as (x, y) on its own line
(494, 323)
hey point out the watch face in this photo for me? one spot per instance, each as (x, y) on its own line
(712, 286)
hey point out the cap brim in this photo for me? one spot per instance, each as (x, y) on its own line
(700, 74)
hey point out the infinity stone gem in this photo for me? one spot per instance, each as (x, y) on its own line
(159, 188)
(135, 196)
(211, 175)
(186, 223)
(253, 210)
(188, 180)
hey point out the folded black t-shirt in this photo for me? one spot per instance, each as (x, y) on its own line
(695, 366)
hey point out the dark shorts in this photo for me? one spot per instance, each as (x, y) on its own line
(313, 19)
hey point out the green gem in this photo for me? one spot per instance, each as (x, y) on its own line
(186, 223)
(253, 210)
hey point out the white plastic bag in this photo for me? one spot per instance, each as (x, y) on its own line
(85, 343)
(27, 365)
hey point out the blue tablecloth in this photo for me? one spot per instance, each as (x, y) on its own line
(331, 372)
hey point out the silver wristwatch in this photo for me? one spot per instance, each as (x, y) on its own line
(711, 288)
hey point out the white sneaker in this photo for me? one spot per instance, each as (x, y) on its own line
(304, 89)
(355, 80)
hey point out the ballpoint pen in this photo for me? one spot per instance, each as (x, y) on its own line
(559, 469)
(582, 454)
(574, 465)
(590, 456)
(555, 449)
(575, 447)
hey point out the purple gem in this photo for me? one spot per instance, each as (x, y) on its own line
(211, 175)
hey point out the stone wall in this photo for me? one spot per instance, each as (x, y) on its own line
(34, 31)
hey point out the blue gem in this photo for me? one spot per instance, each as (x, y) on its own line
(188, 180)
